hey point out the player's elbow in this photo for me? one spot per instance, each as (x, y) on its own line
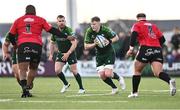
(86, 47)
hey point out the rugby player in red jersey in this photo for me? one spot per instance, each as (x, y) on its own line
(150, 39)
(29, 42)
(6, 56)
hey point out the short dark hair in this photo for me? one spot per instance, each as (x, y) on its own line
(96, 18)
(30, 10)
(60, 16)
(141, 15)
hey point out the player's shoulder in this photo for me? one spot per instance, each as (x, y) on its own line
(89, 30)
(105, 28)
(68, 28)
(40, 18)
(137, 24)
(151, 24)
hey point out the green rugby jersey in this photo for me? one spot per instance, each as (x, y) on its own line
(63, 43)
(105, 32)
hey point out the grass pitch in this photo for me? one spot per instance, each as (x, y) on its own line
(153, 94)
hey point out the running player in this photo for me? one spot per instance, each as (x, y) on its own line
(105, 57)
(66, 53)
(150, 39)
(30, 76)
(29, 42)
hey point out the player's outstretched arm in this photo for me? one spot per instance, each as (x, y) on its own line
(60, 34)
(56, 32)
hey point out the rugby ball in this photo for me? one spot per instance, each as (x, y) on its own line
(100, 41)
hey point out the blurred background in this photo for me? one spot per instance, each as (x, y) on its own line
(119, 15)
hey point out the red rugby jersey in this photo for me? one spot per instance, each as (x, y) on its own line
(148, 33)
(29, 29)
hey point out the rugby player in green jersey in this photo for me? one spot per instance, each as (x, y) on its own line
(105, 57)
(30, 75)
(66, 54)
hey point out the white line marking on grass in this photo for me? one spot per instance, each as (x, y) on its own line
(84, 95)
(87, 101)
(5, 100)
(86, 109)
(127, 90)
(165, 90)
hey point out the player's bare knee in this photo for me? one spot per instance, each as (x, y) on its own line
(102, 76)
(108, 74)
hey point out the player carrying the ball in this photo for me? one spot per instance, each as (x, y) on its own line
(105, 54)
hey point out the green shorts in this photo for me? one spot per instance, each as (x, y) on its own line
(105, 59)
(71, 60)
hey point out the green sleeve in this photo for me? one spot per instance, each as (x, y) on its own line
(53, 39)
(7, 37)
(70, 32)
(110, 33)
(87, 38)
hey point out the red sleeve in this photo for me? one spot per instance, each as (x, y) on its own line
(13, 29)
(46, 25)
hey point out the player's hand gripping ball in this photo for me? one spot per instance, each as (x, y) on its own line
(101, 41)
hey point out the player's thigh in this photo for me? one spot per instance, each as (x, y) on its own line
(23, 66)
(74, 68)
(59, 66)
(138, 67)
(101, 72)
(108, 72)
(157, 67)
(108, 69)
